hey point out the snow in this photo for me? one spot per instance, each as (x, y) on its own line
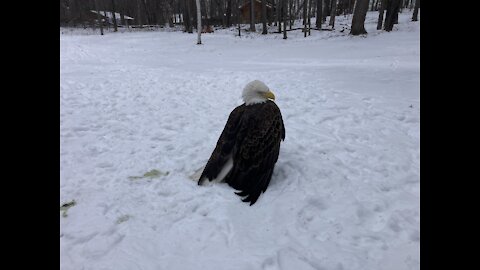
(345, 191)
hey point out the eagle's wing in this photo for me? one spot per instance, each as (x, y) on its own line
(256, 151)
(224, 147)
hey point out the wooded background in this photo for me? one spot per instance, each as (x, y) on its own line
(228, 13)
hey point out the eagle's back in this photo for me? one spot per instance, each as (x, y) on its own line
(252, 139)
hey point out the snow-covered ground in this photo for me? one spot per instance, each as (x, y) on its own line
(345, 191)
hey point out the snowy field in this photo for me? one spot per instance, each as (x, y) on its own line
(345, 191)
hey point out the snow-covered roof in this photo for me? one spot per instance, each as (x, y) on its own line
(110, 14)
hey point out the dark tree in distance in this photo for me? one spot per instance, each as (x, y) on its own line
(147, 13)
(229, 13)
(98, 18)
(326, 10)
(415, 11)
(291, 19)
(392, 13)
(304, 18)
(252, 15)
(358, 20)
(279, 9)
(309, 16)
(114, 16)
(139, 13)
(319, 17)
(284, 18)
(264, 17)
(333, 13)
(380, 14)
(199, 22)
(188, 19)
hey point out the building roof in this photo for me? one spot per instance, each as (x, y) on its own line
(110, 14)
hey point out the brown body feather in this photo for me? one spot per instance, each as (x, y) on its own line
(252, 138)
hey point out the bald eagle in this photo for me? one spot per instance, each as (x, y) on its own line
(249, 145)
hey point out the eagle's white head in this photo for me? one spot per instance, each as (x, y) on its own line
(256, 92)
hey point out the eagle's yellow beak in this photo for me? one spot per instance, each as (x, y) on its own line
(269, 95)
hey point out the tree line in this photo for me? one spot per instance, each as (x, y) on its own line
(227, 13)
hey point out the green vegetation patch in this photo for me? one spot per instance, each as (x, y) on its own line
(151, 174)
(67, 206)
(123, 218)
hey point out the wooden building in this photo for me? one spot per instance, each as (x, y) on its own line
(245, 11)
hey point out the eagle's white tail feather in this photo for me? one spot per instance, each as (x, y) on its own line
(225, 170)
(197, 174)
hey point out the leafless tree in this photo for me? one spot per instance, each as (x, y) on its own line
(252, 15)
(264, 17)
(381, 11)
(319, 19)
(393, 7)
(333, 13)
(279, 14)
(309, 16)
(228, 13)
(114, 16)
(284, 15)
(358, 20)
(304, 18)
(98, 18)
(199, 22)
(415, 11)
(326, 10)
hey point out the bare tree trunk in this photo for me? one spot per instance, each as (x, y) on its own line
(291, 20)
(212, 8)
(203, 6)
(358, 20)
(380, 14)
(304, 12)
(279, 3)
(326, 10)
(264, 17)
(392, 12)
(333, 14)
(185, 16)
(284, 17)
(139, 13)
(147, 14)
(415, 11)
(229, 13)
(395, 15)
(199, 22)
(188, 19)
(275, 19)
(122, 18)
(304, 18)
(98, 18)
(169, 14)
(238, 17)
(252, 15)
(318, 22)
(222, 12)
(309, 16)
(114, 16)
